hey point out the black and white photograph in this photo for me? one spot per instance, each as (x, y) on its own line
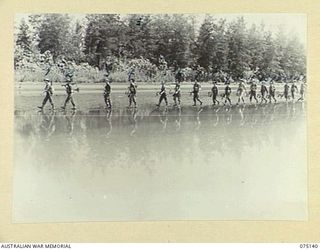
(160, 117)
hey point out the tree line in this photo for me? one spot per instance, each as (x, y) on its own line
(110, 42)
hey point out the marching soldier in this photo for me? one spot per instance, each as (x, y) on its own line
(195, 92)
(69, 92)
(163, 95)
(240, 92)
(227, 93)
(253, 91)
(293, 90)
(132, 91)
(176, 95)
(264, 92)
(286, 91)
(214, 93)
(48, 90)
(302, 91)
(107, 92)
(272, 92)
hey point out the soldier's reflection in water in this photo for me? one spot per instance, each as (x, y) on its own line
(178, 119)
(133, 120)
(287, 111)
(241, 110)
(293, 110)
(252, 116)
(262, 112)
(108, 118)
(164, 118)
(228, 115)
(198, 121)
(302, 107)
(47, 124)
(216, 115)
(70, 122)
(272, 110)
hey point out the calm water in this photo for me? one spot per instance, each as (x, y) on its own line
(149, 164)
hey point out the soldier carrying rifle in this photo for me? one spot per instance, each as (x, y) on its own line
(302, 91)
(227, 93)
(132, 91)
(48, 90)
(264, 92)
(293, 90)
(107, 92)
(272, 92)
(195, 92)
(214, 93)
(176, 94)
(286, 91)
(163, 95)
(253, 90)
(69, 91)
(241, 91)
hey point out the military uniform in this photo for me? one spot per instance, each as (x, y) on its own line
(264, 92)
(302, 91)
(48, 90)
(132, 94)
(214, 91)
(293, 90)
(253, 91)
(196, 89)
(163, 95)
(227, 93)
(176, 94)
(241, 91)
(106, 94)
(272, 92)
(69, 92)
(286, 91)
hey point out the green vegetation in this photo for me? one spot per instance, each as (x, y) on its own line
(52, 44)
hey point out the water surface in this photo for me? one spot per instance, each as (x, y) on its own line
(210, 163)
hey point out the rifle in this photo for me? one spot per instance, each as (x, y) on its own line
(76, 89)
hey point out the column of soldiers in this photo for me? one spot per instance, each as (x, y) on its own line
(67, 70)
(266, 94)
